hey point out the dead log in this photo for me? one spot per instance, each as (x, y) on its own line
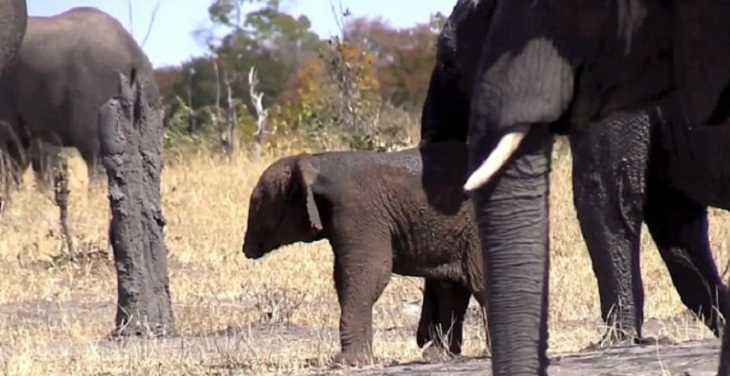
(130, 134)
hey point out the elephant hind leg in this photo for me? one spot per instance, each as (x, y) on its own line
(429, 312)
(360, 278)
(679, 228)
(44, 159)
(610, 162)
(447, 307)
(15, 158)
(94, 168)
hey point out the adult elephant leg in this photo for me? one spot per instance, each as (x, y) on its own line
(44, 158)
(429, 312)
(679, 228)
(94, 168)
(724, 368)
(610, 161)
(16, 147)
(512, 214)
(360, 278)
(446, 329)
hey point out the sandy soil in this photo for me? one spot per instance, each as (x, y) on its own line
(690, 358)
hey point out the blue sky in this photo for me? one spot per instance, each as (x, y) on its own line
(171, 40)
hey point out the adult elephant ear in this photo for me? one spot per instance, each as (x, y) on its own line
(702, 59)
(306, 174)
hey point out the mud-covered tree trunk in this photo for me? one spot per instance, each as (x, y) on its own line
(130, 133)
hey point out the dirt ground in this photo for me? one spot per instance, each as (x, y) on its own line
(694, 358)
(688, 358)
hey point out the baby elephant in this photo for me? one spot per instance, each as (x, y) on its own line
(375, 211)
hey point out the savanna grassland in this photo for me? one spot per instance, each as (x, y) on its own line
(277, 315)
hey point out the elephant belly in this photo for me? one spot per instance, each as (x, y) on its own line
(699, 166)
(446, 271)
(437, 257)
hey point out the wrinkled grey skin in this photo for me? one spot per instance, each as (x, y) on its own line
(373, 210)
(66, 69)
(624, 79)
(610, 184)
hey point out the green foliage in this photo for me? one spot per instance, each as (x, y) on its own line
(362, 90)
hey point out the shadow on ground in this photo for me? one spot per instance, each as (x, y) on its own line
(692, 358)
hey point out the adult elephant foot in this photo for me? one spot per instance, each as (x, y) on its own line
(608, 342)
(610, 161)
(679, 227)
(442, 319)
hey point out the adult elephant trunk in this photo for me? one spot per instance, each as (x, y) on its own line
(519, 94)
(512, 212)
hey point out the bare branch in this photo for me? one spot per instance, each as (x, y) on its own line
(261, 113)
(131, 20)
(228, 128)
(256, 97)
(217, 92)
(339, 16)
(152, 22)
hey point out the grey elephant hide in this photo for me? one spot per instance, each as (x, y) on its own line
(66, 69)
(374, 211)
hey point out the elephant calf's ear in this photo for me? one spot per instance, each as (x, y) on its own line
(307, 175)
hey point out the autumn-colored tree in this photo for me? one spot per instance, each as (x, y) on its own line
(405, 57)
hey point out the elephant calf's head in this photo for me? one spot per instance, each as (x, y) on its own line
(281, 209)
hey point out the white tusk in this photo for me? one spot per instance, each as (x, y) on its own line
(499, 156)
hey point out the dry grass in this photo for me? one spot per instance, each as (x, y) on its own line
(280, 312)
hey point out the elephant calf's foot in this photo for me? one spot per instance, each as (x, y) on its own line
(353, 358)
(655, 340)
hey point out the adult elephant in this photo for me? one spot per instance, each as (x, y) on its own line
(624, 79)
(66, 69)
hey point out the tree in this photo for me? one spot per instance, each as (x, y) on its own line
(267, 38)
(405, 57)
(134, 164)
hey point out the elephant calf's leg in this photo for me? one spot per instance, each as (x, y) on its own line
(360, 278)
(446, 308)
(679, 228)
(609, 168)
